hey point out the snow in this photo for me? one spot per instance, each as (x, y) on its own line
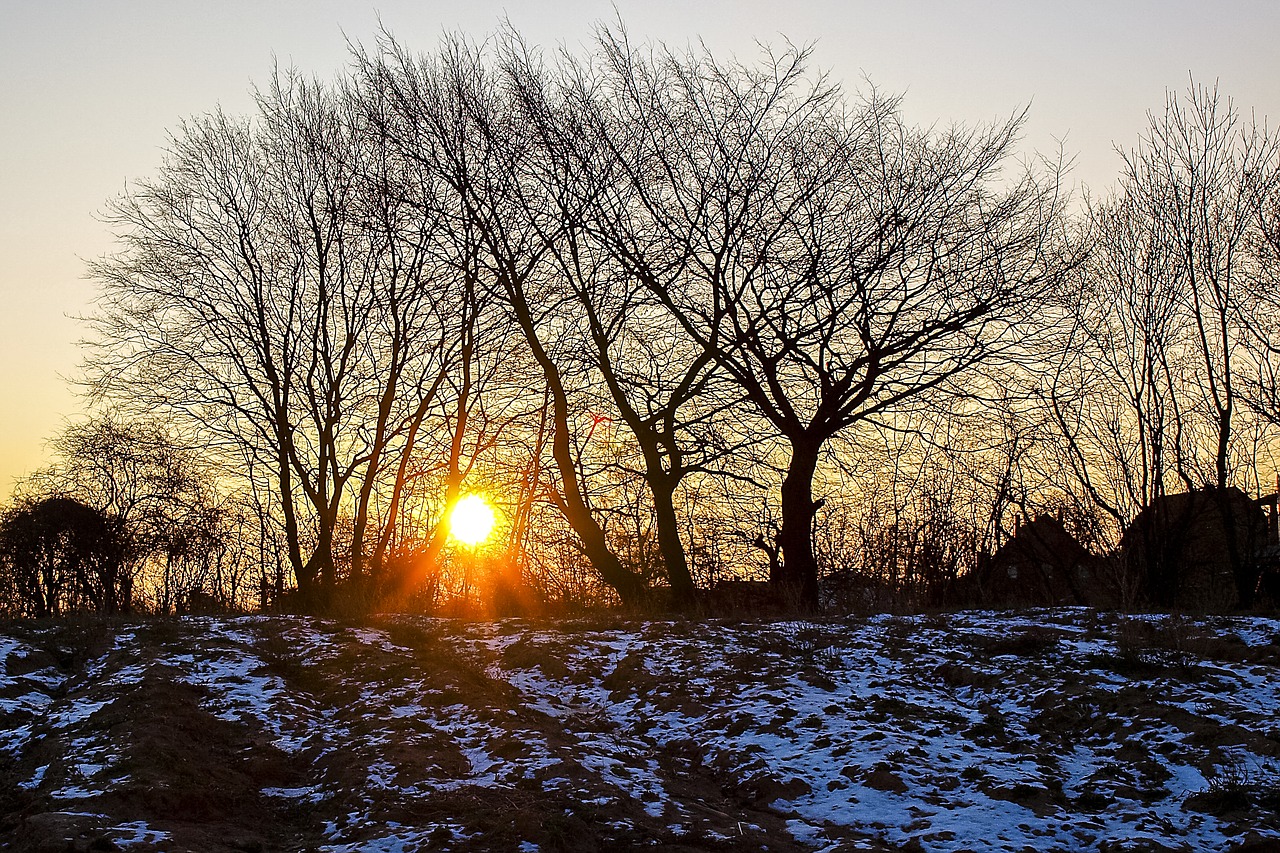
(379, 639)
(308, 793)
(25, 698)
(137, 832)
(71, 715)
(930, 731)
(832, 736)
(229, 668)
(74, 792)
(9, 647)
(403, 840)
(36, 778)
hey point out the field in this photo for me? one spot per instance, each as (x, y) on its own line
(1047, 730)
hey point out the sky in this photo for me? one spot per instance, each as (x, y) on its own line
(90, 90)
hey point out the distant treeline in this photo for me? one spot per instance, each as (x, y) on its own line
(680, 319)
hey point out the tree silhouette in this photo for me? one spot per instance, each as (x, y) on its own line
(60, 556)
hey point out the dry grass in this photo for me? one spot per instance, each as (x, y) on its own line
(1036, 641)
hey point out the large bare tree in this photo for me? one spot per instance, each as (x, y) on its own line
(831, 260)
(663, 388)
(275, 291)
(454, 118)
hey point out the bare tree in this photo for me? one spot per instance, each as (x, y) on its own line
(157, 493)
(1197, 178)
(275, 293)
(663, 388)
(1117, 382)
(1148, 391)
(58, 555)
(832, 261)
(664, 270)
(1261, 298)
(453, 118)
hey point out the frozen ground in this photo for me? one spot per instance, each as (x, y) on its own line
(1051, 730)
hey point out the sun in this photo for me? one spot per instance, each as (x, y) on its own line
(471, 520)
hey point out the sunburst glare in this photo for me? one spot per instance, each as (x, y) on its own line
(472, 520)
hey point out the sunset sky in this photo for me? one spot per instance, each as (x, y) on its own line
(89, 90)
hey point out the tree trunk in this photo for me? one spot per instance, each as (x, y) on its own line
(629, 586)
(320, 566)
(683, 592)
(302, 572)
(796, 579)
(591, 538)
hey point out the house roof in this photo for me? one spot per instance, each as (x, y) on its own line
(1195, 509)
(1046, 540)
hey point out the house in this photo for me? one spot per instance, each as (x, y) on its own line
(1268, 585)
(1041, 565)
(1199, 550)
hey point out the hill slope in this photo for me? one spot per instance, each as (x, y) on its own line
(1052, 730)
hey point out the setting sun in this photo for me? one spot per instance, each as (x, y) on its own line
(472, 520)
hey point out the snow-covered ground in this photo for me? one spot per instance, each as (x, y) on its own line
(1045, 730)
